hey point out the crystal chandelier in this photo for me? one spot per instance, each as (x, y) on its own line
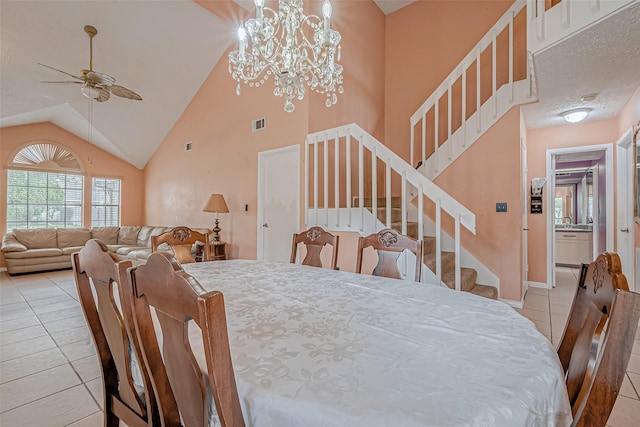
(295, 48)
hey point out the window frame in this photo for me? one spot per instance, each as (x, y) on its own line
(118, 206)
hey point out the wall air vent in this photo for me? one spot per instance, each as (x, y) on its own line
(258, 124)
(188, 146)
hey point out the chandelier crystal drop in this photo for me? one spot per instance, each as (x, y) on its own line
(297, 49)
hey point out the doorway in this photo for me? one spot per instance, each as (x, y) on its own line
(569, 171)
(278, 202)
(626, 164)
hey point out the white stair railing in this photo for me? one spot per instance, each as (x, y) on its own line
(485, 115)
(547, 27)
(352, 142)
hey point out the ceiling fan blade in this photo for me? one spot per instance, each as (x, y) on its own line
(124, 92)
(104, 94)
(63, 72)
(66, 81)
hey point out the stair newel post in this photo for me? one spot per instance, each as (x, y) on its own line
(424, 135)
(361, 180)
(457, 252)
(421, 194)
(306, 181)
(540, 19)
(336, 183)
(463, 122)
(404, 202)
(374, 187)
(411, 144)
(511, 85)
(449, 90)
(325, 198)
(439, 239)
(348, 167)
(494, 73)
(388, 192)
(478, 106)
(315, 179)
(436, 141)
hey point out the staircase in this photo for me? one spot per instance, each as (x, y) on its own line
(448, 258)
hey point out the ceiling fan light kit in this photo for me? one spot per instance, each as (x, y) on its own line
(97, 86)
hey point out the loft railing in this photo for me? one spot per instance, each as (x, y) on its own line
(551, 21)
(334, 157)
(477, 119)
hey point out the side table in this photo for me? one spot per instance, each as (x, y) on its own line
(218, 251)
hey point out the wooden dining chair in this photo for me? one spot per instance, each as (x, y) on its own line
(114, 335)
(181, 240)
(598, 339)
(314, 240)
(390, 244)
(183, 390)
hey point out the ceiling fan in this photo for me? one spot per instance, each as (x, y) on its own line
(98, 86)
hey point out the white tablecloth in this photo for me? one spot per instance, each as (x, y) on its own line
(314, 347)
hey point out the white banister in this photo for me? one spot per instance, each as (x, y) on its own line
(343, 137)
(457, 252)
(306, 180)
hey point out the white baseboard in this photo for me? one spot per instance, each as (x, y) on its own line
(3, 268)
(539, 285)
(512, 303)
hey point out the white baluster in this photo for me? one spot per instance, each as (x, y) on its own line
(306, 182)
(424, 136)
(449, 119)
(439, 239)
(361, 180)
(348, 164)
(374, 187)
(337, 179)
(388, 191)
(404, 202)
(457, 252)
(325, 198)
(411, 145)
(315, 180)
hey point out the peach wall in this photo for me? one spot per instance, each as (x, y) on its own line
(96, 162)
(539, 141)
(225, 154)
(489, 172)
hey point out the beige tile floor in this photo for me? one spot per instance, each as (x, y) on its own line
(549, 310)
(49, 373)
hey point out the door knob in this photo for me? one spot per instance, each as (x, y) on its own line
(625, 230)
(265, 225)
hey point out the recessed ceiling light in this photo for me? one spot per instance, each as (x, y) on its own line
(577, 115)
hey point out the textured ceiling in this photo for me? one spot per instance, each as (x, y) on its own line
(604, 59)
(390, 6)
(159, 56)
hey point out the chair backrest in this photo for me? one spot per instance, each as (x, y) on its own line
(182, 388)
(607, 315)
(315, 239)
(390, 244)
(113, 334)
(181, 239)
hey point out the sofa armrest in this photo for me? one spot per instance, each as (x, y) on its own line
(11, 244)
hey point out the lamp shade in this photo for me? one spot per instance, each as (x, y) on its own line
(216, 204)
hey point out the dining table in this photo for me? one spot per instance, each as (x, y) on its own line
(318, 347)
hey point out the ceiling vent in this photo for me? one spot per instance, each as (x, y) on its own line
(188, 146)
(258, 124)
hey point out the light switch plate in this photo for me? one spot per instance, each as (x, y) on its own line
(501, 207)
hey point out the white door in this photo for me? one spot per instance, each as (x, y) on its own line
(624, 230)
(278, 202)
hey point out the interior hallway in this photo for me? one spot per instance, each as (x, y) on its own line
(49, 371)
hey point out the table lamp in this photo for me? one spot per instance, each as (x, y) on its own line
(216, 204)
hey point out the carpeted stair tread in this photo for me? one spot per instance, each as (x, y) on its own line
(396, 214)
(448, 260)
(467, 278)
(412, 228)
(485, 291)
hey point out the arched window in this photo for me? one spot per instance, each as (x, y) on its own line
(44, 187)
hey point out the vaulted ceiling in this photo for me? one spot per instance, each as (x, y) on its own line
(166, 52)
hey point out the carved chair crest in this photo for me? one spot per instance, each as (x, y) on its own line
(388, 238)
(313, 234)
(182, 234)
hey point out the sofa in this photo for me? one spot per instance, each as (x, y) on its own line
(43, 249)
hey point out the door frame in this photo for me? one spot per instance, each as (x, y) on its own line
(262, 155)
(625, 168)
(549, 200)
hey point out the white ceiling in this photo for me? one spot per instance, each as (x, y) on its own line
(160, 56)
(603, 59)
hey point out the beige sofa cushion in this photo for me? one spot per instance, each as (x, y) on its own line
(11, 244)
(71, 249)
(128, 235)
(107, 235)
(68, 237)
(34, 253)
(38, 238)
